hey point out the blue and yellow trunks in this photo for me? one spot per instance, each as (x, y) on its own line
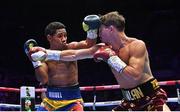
(62, 98)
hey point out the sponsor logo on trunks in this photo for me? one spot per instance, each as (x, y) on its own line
(55, 94)
(133, 94)
(137, 93)
(150, 107)
(155, 84)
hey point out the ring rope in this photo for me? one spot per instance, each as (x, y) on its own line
(91, 88)
(88, 104)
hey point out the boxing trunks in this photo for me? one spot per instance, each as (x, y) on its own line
(62, 99)
(145, 97)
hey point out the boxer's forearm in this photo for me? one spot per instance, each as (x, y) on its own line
(65, 55)
(42, 74)
(132, 72)
(73, 55)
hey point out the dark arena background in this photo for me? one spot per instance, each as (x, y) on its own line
(156, 22)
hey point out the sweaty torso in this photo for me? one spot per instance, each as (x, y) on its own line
(62, 74)
(126, 81)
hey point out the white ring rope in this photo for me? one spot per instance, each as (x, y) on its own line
(92, 88)
(88, 104)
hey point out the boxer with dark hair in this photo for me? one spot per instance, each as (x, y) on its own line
(61, 77)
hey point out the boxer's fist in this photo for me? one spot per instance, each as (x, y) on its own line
(108, 55)
(42, 54)
(33, 52)
(103, 53)
(29, 44)
(91, 24)
(37, 54)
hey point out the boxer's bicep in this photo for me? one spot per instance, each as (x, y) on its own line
(136, 61)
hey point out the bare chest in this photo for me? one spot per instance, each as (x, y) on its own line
(124, 54)
(62, 73)
(61, 67)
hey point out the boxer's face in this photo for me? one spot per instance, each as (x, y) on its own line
(104, 34)
(59, 39)
(61, 35)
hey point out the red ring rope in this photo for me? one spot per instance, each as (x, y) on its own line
(9, 89)
(91, 88)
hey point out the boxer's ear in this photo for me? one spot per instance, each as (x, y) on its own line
(49, 37)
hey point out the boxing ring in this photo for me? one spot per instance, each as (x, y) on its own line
(94, 104)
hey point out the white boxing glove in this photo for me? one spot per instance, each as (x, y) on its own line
(49, 55)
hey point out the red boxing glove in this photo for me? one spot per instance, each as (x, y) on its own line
(103, 53)
(108, 55)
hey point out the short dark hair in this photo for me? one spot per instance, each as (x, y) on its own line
(52, 27)
(115, 19)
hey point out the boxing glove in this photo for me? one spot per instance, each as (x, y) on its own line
(41, 54)
(108, 55)
(37, 54)
(91, 24)
(103, 54)
(27, 46)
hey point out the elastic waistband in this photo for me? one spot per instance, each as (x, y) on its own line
(63, 93)
(141, 90)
